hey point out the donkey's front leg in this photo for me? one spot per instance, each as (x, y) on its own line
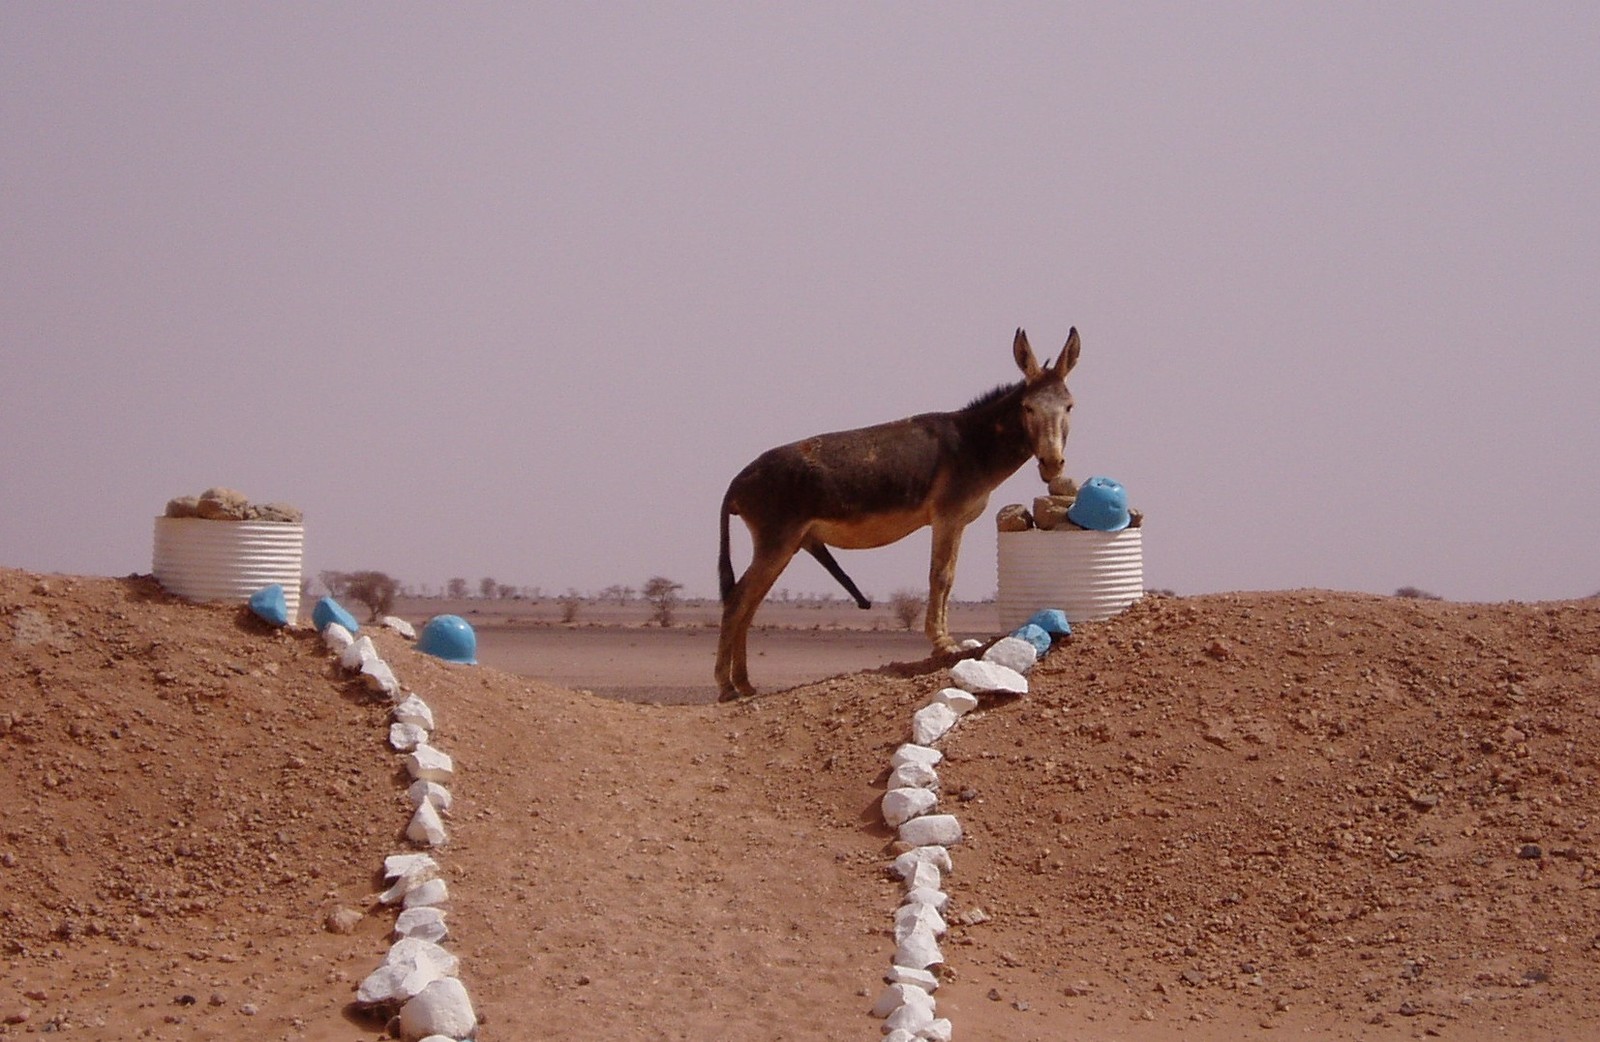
(941, 576)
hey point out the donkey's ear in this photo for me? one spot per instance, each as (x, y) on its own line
(1024, 356)
(1069, 354)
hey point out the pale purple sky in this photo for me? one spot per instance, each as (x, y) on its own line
(514, 290)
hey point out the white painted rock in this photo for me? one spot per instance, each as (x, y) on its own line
(411, 965)
(911, 753)
(430, 792)
(913, 776)
(906, 863)
(925, 876)
(442, 1008)
(429, 764)
(423, 923)
(961, 702)
(428, 895)
(386, 984)
(409, 871)
(377, 675)
(405, 737)
(399, 625)
(918, 951)
(970, 644)
(941, 1030)
(897, 995)
(983, 678)
(358, 653)
(937, 899)
(897, 1035)
(414, 711)
(422, 954)
(918, 978)
(901, 805)
(336, 637)
(1013, 653)
(426, 826)
(931, 830)
(398, 865)
(911, 917)
(914, 1017)
(930, 723)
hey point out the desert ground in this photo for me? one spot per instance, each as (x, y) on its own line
(615, 650)
(1296, 814)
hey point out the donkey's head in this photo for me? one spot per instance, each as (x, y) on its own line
(1046, 402)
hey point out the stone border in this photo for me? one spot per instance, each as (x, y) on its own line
(417, 974)
(909, 806)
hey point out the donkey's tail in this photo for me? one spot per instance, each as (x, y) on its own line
(724, 558)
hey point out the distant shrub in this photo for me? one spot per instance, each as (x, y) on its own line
(906, 605)
(374, 589)
(1416, 594)
(662, 593)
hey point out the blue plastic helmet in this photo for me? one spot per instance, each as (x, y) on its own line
(1102, 505)
(449, 637)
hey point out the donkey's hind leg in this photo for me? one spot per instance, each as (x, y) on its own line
(768, 560)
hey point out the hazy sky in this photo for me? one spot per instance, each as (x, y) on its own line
(513, 290)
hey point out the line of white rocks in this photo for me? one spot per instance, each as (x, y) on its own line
(418, 975)
(910, 806)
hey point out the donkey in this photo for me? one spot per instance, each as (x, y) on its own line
(870, 487)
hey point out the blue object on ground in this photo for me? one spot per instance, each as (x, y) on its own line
(328, 610)
(1035, 636)
(449, 637)
(269, 603)
(1102, 505)
(1052, 621)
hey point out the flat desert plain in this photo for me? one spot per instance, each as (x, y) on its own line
(1293, 814)
(615, 650)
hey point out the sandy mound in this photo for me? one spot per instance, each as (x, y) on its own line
(1213, 817)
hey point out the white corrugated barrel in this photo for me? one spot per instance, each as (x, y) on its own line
(1088, 575)
(206, 560)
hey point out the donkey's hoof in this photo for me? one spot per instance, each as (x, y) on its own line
(733, 694)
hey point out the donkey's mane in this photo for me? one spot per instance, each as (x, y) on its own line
(990, 397)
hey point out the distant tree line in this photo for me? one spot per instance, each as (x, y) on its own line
(659, 591)
(377, 590)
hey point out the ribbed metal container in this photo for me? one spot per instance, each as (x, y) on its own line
(205, 560)
(1088, 575)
